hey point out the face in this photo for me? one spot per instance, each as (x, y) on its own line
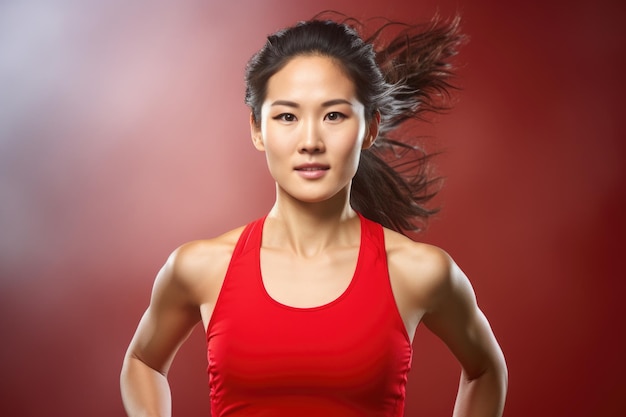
(312, 129)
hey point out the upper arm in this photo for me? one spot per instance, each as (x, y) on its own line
(170, 317)
(454, 316)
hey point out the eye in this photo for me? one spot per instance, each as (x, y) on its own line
(285, 117)
(335, 116)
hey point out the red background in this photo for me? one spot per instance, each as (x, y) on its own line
(123, 134)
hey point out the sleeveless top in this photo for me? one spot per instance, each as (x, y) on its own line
(349, 357)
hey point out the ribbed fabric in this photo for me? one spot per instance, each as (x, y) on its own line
(349, 357)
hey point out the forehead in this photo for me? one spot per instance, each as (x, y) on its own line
(310, 76)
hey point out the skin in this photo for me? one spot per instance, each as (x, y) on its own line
(311, 118)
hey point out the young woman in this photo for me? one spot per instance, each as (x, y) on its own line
(311, 310)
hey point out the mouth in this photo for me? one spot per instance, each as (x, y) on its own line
(312, 171)
(312, 167)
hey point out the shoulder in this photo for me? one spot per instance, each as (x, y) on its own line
(195, 256)
(423, 272)
(197, 264)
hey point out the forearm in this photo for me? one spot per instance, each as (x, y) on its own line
(145, 391)
(482, 396)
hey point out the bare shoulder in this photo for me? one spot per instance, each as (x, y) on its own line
(423, 272)
(199, 264)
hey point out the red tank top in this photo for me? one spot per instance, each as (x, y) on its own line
(349, 357)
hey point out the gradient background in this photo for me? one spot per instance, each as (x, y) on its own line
(123, 134)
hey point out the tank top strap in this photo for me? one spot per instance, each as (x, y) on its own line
(374, 235)
(243, 255)
(250, 238)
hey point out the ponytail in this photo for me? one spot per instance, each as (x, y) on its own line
(394, 182)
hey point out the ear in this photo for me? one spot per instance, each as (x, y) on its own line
(255, 133)
(372, 131)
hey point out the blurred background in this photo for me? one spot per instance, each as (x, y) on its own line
(123, 134)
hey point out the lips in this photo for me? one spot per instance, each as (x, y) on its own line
(312, 171)
(312, 167)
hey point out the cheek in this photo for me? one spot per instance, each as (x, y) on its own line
(272, 139)
(277, 151)
(273, 154)
(350, 155)
(355, 158)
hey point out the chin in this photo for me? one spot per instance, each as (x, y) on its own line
(315, 193)
(316, 198)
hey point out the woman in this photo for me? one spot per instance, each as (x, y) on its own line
(311, 310)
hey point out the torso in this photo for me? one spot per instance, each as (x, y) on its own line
(343, 351)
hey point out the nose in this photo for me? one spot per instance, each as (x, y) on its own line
(311, 140)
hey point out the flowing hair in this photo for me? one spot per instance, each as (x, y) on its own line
(400, 71)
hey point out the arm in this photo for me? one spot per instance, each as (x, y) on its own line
(164, 326)
(456, 319)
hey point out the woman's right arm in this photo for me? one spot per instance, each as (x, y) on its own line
(168, 321)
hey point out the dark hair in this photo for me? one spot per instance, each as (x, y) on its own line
(400, 71)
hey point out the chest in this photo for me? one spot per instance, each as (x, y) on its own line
(307, 282)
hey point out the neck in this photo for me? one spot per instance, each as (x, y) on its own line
(309, 228)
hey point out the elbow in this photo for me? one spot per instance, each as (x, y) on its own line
(501, 370)
(496, 372)
(499, 375)
(504, 375)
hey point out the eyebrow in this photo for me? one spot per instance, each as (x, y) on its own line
(324, 104)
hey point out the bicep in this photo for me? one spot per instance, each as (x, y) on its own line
(458, 321)
(167, 322)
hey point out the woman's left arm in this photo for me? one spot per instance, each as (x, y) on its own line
(458, 321)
